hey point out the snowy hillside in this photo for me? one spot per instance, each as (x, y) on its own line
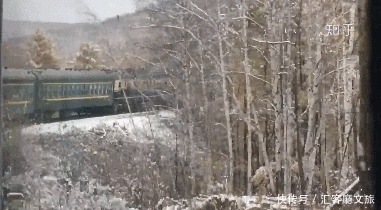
(99, 162)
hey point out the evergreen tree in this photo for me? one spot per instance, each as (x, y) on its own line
(87, 57)
(42, 53)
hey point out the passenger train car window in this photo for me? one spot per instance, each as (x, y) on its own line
(48, 92)
(83, 90)
(65, 90)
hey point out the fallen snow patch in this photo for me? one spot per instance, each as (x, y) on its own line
(140, 127)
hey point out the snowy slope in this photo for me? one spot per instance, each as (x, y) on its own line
(138, 126)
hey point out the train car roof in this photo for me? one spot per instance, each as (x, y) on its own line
(20, 75)
(75, 75)
(17, 75)
(59, 75)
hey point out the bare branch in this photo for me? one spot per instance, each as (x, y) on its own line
(272, 42)
(251, 75)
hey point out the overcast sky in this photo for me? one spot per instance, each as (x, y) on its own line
(69, 11)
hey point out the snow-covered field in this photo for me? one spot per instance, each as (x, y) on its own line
(119, 156)
(141, 127)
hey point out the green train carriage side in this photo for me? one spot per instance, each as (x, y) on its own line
(19, 93)
(42, 92)
(78, 91)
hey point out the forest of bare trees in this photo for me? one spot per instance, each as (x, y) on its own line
(271, 86)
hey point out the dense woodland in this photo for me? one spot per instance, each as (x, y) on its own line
(266, 84)
(267, 91)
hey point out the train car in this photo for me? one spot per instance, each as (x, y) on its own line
(80, 91)
(124, 100)
(43, 92)
(143, 91)
(19, 93)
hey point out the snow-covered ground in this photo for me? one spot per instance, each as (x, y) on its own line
(120, 156)
(123, 162)
(226, 202)
(141, 127)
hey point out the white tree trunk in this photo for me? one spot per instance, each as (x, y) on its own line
(290, 125)
(248, 95)
(207, 123)
(312, 137)
(339, 112)
(348, 71)
(274, 32)
(190, 128)
(226, 103)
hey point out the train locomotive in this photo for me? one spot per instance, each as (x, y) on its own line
(42, 93)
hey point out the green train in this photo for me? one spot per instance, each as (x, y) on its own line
(44, 93)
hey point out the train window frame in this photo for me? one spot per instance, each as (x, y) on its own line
(60, 93)
(53, 91)
(22, 93)
(50, 89)
(43, 91)
(76, 90)
(79, 89)
(65, 90)
(53, 87)
(83, 89)
(73, 90)
(55, 95)
(47, 93)
(58, 90)
(90, 88)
